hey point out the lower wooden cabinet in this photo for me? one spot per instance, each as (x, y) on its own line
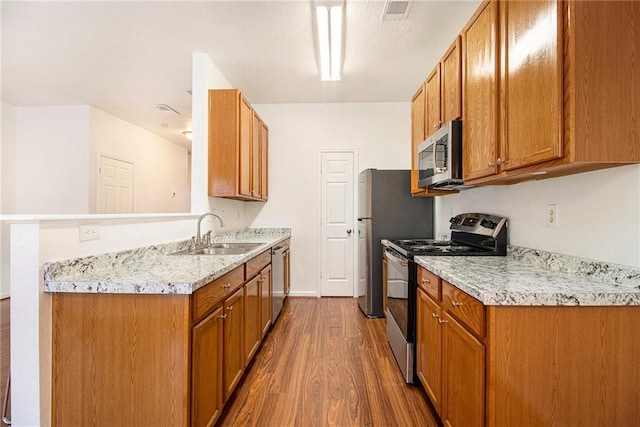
(450, 364)
(265, 301)
(462, 375)
(233, 309)
(206, 380)
(156, 359)
(526, 365)
(252, 318)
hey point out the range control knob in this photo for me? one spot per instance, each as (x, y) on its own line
(454, 220)
(486, 223)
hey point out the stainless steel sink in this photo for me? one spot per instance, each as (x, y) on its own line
(221, 249)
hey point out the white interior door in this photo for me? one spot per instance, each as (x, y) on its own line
(336, 222)
(115, 186)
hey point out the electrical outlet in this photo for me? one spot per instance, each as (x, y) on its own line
(89, 232)
(552, 216)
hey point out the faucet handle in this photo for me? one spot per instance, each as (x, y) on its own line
(206, 239)
(192, 244)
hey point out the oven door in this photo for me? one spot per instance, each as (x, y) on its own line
(399, 317)
(398, 289)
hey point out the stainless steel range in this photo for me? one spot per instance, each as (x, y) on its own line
(472, 234)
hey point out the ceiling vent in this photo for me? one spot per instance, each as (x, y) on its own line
(396, 10)
(166, 109)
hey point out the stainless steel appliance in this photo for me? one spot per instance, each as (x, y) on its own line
(386, 210)
(472, 234)
(277, 281)
(440, 158)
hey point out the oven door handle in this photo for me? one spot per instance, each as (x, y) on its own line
(396, 260)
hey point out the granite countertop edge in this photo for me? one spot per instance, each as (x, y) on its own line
(154, 269)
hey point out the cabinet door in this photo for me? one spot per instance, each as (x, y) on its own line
(246, 132)
(451, 83)
(432, 105)
(531, 39)
(206, 382)
(252, 318)
(463, 376)
(417, 135)
(480, 94)
(233, 342)
(256, 165)
(265, 301)
(429, 355)
(264, 162)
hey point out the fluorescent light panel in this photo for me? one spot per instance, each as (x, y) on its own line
(329, 20)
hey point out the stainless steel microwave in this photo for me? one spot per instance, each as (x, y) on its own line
(440, 158)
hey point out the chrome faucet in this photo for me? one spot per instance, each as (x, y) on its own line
(198, 240)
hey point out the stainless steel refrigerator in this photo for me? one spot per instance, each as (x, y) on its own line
(386, 210)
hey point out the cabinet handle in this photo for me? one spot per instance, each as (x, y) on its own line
(441, 321)
(223, 316)
(499, 161)
(456, 304)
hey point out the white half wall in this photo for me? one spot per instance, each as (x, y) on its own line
(7, 187)
(598, 213)
(161, 170)
(380, 132)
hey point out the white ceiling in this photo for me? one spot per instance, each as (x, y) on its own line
(124, 57)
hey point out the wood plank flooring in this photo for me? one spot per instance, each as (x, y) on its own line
(5, 348)
(325, 364)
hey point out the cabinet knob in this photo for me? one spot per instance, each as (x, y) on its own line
(491, 164)
(456, 304)
(226, 285)
(223, 316)
(434, 315)
(441, 321)
(499, 161)
(349, 231)
(426, 281)
(230, 308)
(436, 126)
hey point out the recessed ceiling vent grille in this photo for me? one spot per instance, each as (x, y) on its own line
(166, 109)
(395, 10)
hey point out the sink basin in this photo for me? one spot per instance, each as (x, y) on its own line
(221, 249)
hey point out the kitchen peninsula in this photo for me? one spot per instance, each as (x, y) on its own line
(157, 338)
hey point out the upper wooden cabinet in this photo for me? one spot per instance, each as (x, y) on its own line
(444, 89)
(540, 96)
(238, 149)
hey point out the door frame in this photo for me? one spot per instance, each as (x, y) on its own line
(319, 270)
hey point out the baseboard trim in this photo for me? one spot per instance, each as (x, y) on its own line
(304, 294)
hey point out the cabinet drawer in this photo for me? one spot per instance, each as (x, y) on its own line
(255, 265)
(468, 310)
(429, 282)
(207, 297)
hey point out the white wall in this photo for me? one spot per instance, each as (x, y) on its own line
(51, 168)
(379, 131)
(207, 76)
(7, 187)
(598, 213)
(161, 171)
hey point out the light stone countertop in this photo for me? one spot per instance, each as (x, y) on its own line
(152, 270)
(532, 277)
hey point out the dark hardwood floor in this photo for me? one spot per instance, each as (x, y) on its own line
(325, 364)
(5, 347)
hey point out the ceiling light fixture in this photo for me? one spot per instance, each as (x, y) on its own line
(329, 24)
(188, 134)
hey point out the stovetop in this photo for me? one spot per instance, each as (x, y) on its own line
(471, 234)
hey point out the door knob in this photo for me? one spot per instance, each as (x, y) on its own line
(349, 231)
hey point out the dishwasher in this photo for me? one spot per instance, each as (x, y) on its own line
(277, 281)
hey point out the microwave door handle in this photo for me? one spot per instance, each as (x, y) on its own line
(436, 169)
